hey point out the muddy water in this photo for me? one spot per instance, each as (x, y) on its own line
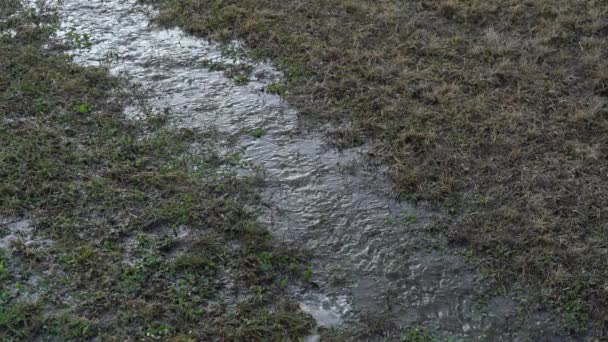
(372, 253)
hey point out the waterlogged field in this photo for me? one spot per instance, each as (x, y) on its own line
(416, 170)
(495, 110)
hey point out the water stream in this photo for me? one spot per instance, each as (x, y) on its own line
(372, 252)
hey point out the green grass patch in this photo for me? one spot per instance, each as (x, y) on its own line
(276, 88)
(258, 133)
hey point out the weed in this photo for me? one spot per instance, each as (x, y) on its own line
(239, 73)
(283, 283)
(83, 108)
(213, 65)
(78, 40)
(417, 335)
(265, 261)
(230, 51)
(276, 88)
(258, 133)
(241, 79)
(308, 273)
(410, 218)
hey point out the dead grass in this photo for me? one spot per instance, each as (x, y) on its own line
(495, 109)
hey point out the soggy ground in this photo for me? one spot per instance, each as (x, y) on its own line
(373, 256)
(496, 109)
(127, 225)
(115, 229)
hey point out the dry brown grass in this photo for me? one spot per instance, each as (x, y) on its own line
(495, 108)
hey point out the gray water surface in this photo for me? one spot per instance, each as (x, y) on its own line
(372, 253)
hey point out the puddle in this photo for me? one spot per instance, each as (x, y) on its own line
(19, 231)
(14, 230)
(327, 312)
(372, 253)
(17, 236)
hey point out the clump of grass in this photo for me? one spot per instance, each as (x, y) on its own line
(502, 124)
(213, 65)
(239, 73)
(417, 335)
(258, 133)
(78, 41)
(241, 79)
(150, 240)
(275, 88)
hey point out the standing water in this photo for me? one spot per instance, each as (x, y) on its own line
(373, 253)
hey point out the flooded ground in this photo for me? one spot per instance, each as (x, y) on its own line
(372, 254)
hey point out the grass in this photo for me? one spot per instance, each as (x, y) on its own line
(495, 110)
(239, 73)
(136, 236)
(417, 335)
(258, 132)
(275, 88)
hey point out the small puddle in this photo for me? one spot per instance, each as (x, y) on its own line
(327, 312)
(17, 235)
(13, 231)
(372, 252)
